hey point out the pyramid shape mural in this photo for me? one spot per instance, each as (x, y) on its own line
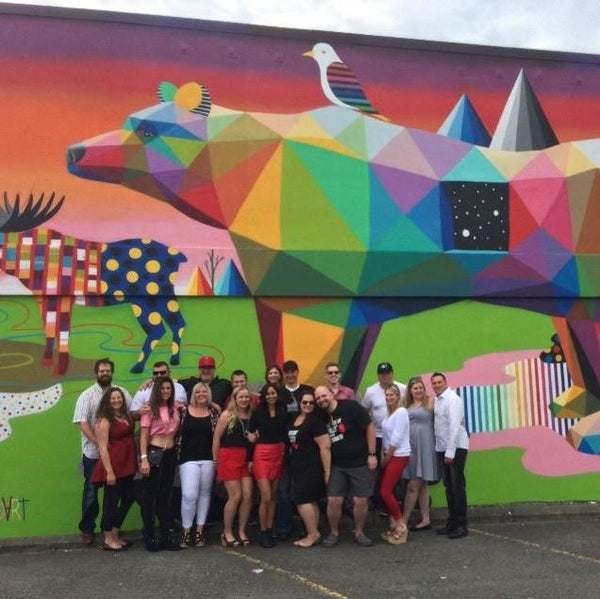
(465, 124)
(523, 124)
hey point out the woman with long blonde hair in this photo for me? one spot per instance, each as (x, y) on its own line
(196, 466)
(395, 454)
(232, 452)
(423, 465)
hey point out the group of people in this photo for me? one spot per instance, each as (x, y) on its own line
(301, 446)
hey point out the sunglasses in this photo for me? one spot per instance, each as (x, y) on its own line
(307, 403)
(333, 372)
(161, 373)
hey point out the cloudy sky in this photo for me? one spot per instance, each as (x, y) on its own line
(543, 24)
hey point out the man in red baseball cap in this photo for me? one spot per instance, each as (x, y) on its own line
(221, 388)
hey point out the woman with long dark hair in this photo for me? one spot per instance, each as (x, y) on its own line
(310, 457)
(268, 430)
(196, 466)
(116, 467)
(232, 452)
(159, 428)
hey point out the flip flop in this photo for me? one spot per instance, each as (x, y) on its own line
(106, 547)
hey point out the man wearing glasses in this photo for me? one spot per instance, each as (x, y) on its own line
(333, 376)
(142, 398)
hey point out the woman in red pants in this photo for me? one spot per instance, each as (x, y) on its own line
(395, 455)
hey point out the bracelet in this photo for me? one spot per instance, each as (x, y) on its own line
(372, 455)
(143, 456)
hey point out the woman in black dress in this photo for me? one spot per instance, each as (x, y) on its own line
(310, 456)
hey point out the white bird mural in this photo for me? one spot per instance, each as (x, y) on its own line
(339, 83)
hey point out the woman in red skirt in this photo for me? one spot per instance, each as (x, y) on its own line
(116, 467)
(268, 429)
(232, 452)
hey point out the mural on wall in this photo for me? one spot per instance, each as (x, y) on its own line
(365, 202)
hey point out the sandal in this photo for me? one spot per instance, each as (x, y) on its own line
(398, 537)
(185, 542)
(200, 539)
(244, 541)
(387, 534)
(225, 542)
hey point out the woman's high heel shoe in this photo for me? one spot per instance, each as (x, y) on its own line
(244, 541)
(398, 537)
(225, 542)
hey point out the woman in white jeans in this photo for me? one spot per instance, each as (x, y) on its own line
(196, 467)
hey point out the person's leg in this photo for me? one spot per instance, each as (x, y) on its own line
(334, 514)
(266, 498)
(207, 474)
(234, 496)
(245, 507)
(424, 505)
(189, 475)
(360, 510)
(283, 515)
(309, 512)
(273, 504)
(89, 501)
(163, 511)
(126, 498)
(459, 488)
(448, 487)
(411, 497)
(109, 509)
(378, 503)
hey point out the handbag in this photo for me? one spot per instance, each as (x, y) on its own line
(155, 456)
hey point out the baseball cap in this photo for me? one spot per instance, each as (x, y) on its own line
(206, 362)
(384, 367)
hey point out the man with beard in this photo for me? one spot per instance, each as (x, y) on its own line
(85, 417)
(353, 463)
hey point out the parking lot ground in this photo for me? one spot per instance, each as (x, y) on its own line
(536, 558)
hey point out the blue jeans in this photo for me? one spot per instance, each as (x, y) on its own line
(89, 503)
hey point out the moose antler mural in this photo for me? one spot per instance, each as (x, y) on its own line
(61, 270)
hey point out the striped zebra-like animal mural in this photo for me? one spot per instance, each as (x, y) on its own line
(61, 270)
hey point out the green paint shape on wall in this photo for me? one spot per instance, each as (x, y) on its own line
(344, 182)
(334, 312)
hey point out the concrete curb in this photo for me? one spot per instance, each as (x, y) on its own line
(477, 514)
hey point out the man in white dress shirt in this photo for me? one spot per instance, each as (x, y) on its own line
(374, 402)
(451, 445)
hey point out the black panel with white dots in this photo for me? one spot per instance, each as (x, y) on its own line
(479, 215)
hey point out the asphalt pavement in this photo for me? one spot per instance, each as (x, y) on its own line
(530, 556)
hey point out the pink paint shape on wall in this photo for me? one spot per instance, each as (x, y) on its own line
(546, 453)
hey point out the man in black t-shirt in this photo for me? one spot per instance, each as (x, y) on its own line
(220, 388)
(353, 463)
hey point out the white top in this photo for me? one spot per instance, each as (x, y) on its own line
(396, 432)
(374, 402)
(448, 423)
(142, 397)
(85, 411)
